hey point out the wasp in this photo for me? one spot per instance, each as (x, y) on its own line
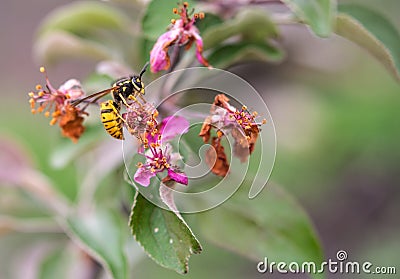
(127, 88)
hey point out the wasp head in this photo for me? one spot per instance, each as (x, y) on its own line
(137, 82)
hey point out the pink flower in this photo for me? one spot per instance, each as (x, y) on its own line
(159, 160)
(159, 154)
(183, 32)
(170, 127)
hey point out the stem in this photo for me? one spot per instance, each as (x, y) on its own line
(36, 225)
(285, 18)
(263, 2)
(40, 187)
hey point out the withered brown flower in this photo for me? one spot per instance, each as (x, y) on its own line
(240, 124)
(70, 123)
(57, 104)
(216, 158)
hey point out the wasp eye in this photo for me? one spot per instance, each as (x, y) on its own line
(137, 82)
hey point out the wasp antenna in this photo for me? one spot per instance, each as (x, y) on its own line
(144, 69)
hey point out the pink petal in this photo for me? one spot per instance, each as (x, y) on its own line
(179, 177)
(159, 59)
(73, 88)
(143, 176)
(172, 126)
(199, 46)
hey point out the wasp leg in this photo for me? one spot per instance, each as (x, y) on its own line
(143, 99)
(118, 114)
(124, 101)
(133, 98)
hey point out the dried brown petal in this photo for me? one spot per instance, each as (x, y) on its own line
(220, 161)
(241, 145)
(206, 130)
(244, 143)
(253, 134)
(221, 101)
(71, 123)
(168, 181)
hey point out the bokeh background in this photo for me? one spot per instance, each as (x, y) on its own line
(337, 117)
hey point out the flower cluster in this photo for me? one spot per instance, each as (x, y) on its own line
(227, 119)
(159, 153)
(141, 120)
(182, 32)
(57, 103)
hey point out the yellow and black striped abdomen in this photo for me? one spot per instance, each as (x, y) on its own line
(112, 122)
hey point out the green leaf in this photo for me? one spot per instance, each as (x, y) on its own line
(373, 32)
(59, 45)
(164, 236)
(28, 251)
(319, 14)
(65, 262)
(67, 152)
(99, 234)
(82, 18)
(209, 21)
(272, 225)
(158, 16)
(230, 54)
(254, 25)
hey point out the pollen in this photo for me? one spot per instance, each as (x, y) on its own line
(175, 10)
(33, 111)
(255, 113)
(56, 113)
(42, 69)
(38, 87)
(219, 133)
(31, 94)
(264, 121)
(201, 15)
(139, 165)
(173, 21)
(53, 121)
(244, 108)
(47, 114)
(41, 94)
(185, 4)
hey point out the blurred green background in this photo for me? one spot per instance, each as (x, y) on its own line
(337, 117)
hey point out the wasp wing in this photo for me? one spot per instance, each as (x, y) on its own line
(95, 96)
